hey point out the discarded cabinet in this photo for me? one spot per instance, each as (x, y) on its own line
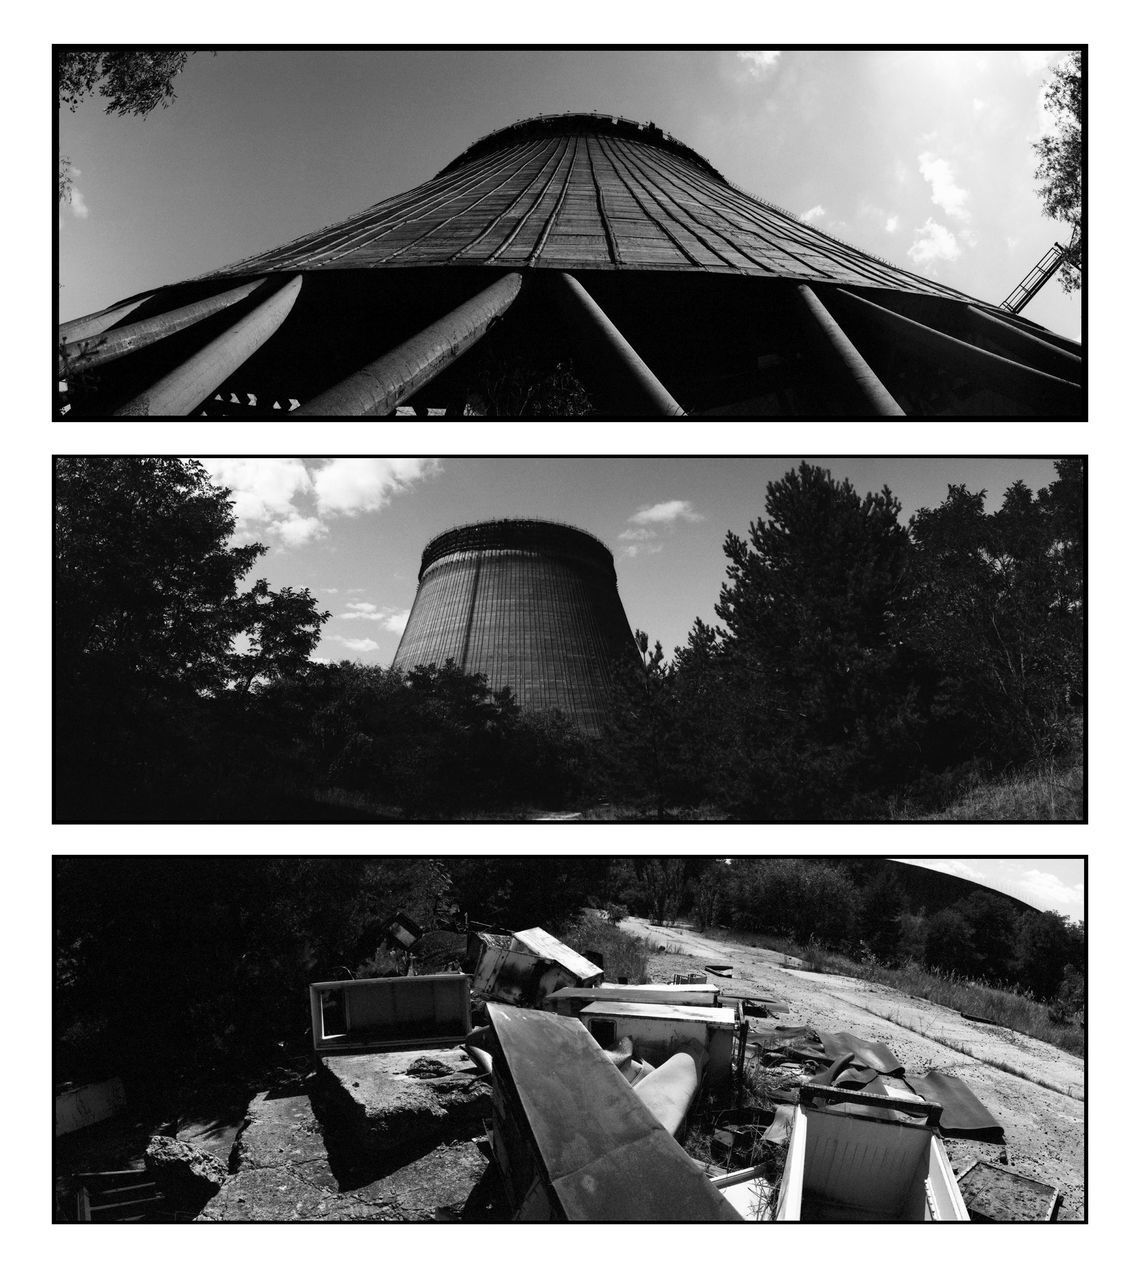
(88, 1104)
(530, 969)
(390, 1013)
(573, 1141)
(661, 1030)
(845, 1164)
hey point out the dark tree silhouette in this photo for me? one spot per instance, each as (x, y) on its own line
(1060, 157)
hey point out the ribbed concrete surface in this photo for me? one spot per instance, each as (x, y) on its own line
(588, 192)
(529, 604)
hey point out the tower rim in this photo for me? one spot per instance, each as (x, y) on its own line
(597, 122)
(510, 533)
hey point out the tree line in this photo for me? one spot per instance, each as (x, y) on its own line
(856, 661)
(190, 974)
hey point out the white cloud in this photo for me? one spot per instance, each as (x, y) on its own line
(261, 488)
(816, 211)
(933, 243)
(330, 591)
(357, 646)
(642, 549)
(892, 223)
(667, 513)
(980, 105)
(1043, 887)
(77, 204)
(296, 530)
(394, 620)
(347, 486)
(944, 191)
(759, 63)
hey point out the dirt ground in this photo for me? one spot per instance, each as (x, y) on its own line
(1035, 1091)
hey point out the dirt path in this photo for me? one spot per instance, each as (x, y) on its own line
(1035, 1091)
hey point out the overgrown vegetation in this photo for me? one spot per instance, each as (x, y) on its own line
(862, 670)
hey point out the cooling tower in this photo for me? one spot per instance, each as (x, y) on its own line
(563, 266)
(529, 604)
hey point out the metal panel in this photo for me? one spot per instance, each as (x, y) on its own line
(598, 1149)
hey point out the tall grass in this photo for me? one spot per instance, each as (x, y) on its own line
(624, 955)
(1007, 1006)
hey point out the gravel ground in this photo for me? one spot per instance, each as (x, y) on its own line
(1035, 1091)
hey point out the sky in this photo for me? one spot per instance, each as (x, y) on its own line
(1050, 884)
(922, 158)
(352, 530)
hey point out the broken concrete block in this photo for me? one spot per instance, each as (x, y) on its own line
(186, 1175)
(378, 1104)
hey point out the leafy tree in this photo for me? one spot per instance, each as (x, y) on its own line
(993, 923)
(148, 608)
(711, 894)
(1046, 945)
(883, 904)
(134, 82)
(820, 686)
(806, 899)
(999, 613)
(950, 943)
(1060, 157)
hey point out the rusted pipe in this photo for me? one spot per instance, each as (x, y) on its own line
(633, 386)
(378, 388)
(869, 394)
(187, 386)
(100, 348)
(1042, 391)
(96, 321)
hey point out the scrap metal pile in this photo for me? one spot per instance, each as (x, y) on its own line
(593, 1084)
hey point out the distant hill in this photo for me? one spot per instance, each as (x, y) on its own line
(925, 888)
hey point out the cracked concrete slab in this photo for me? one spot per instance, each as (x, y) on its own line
(289, 1169)
(383, 1101)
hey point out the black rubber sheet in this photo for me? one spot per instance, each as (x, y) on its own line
(963, 1115)
(864, 1053)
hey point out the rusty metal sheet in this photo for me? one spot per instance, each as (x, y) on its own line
(603, 1154)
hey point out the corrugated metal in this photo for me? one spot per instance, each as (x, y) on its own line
(584, 192)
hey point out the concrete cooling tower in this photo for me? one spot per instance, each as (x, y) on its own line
(529, 604)
(564, 266)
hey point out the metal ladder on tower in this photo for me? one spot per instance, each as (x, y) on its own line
(1036, 279)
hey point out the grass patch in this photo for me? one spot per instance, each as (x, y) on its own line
(1008, 1007)
(969, 1053)
(624, 956)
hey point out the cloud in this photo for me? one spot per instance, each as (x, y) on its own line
(357, 646)
(347, 486)
(77, 204)
(892, 223)
(394, 620)
(667, 513)
(816, 211)
(944, 191)
(934, 243)
(1044, 887)
(291, 502)
(642, 549)
(759, 63)
(262, 489)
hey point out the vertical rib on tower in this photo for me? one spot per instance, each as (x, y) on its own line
(529, 604)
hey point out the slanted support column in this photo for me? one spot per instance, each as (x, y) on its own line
(100, 348)
(187, 386)
(378, 388)
(1045, 394)
(87, 326)
(1027, 346)
(633, 388)
(859, 380)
